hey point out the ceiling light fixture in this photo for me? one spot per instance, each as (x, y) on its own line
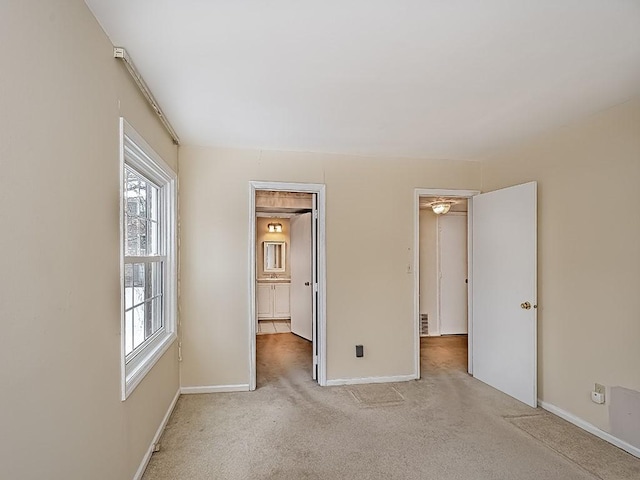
(441, 207)
(274, 228)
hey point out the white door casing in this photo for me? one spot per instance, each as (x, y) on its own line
(318, 192)
(452, 273)
(504, 276)
(316, 243)
(301, 276)
(446, 193)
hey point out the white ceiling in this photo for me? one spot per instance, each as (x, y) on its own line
(418, 78)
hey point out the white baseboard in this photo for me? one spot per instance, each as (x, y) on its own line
(361, 380)
(243, 387)
(156, 438)
(569, 417)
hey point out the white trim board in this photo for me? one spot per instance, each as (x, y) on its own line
(156, 438)
(363, 380)
(584, 425)
(242, 387)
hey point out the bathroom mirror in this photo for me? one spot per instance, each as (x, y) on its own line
(274, 257)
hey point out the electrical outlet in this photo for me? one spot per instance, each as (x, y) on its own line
(359, 351)
(599, 389)
(597, 397)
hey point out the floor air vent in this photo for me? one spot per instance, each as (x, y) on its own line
(424, 324)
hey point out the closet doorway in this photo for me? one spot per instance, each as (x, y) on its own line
(442, 300)
(502, 288)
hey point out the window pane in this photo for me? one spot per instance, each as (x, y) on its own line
(128, 286)
(158, 318)
(131, 187)
(153, 236)
(156, 278)
(142, 198)
(138, 283)
(142, 233)
(128, 332)
(138, 325)
(132, 236)
(153, 203)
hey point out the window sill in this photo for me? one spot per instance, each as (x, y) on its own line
(147, 361)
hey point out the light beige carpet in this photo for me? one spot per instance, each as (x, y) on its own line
(446, 426)
(596, 456)
(376, 395)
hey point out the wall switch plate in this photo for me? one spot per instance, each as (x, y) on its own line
(597, 397)
(599, 388)
(359, 351)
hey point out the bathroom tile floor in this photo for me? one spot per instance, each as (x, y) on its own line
(266, 327)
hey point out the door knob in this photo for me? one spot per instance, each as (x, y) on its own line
(527, 306)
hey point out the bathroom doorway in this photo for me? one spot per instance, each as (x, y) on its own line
(287, 274)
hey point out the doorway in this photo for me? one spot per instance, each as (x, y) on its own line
(502, 288)
(273, 270)
(443, 282)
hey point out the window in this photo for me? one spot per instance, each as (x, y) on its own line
(148, 256)
(143, 261)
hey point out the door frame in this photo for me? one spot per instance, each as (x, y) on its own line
(320, 190)
(439, 192)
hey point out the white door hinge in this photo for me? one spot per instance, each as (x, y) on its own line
(315, 287)
(315, 214)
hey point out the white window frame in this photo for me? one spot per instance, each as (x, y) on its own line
(137, 154)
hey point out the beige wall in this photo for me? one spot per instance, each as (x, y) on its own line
(428, 265)
(61, 94)
(262, 235)
(369, 292)
(588, 253)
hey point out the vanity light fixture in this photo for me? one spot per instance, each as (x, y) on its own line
(441, 207)
(275, 228)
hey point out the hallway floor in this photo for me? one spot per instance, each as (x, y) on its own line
(443, 354)
(447, 425)
(269, 327)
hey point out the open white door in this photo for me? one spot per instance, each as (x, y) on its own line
(504, 293)
(301, 276)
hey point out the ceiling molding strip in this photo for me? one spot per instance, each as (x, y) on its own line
(121, 53)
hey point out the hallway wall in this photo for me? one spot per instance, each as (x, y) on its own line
(429, 266)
